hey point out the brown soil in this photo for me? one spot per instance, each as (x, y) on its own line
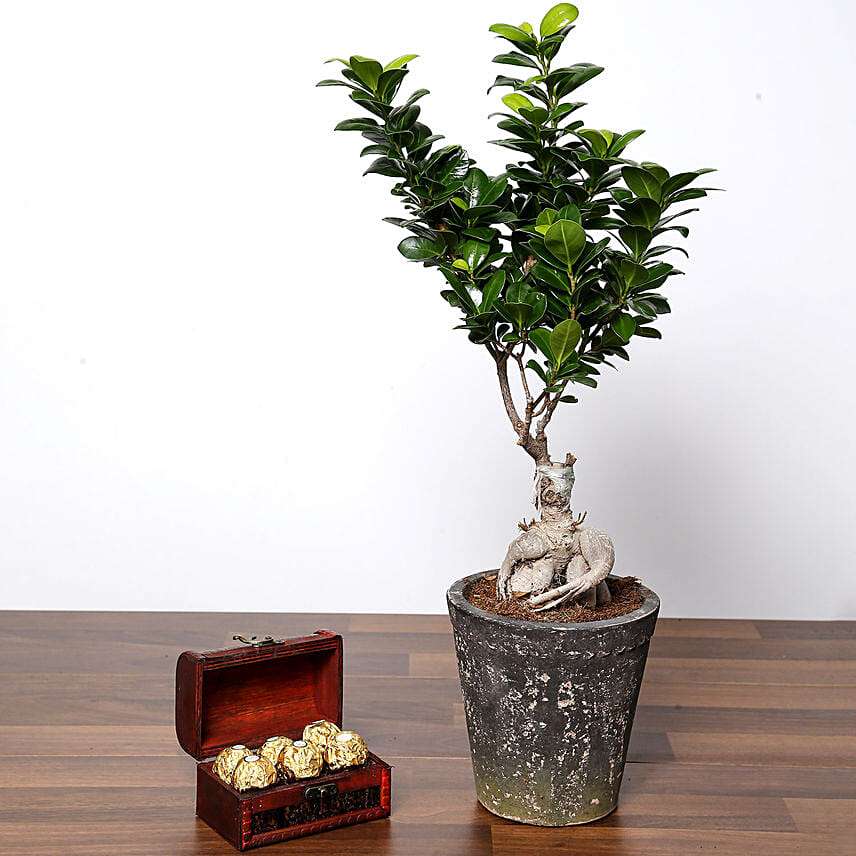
(626, 596)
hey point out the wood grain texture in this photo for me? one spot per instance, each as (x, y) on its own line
(744, 743)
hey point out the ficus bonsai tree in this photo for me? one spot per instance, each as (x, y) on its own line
(555, 265)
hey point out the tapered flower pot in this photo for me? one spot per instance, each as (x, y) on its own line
(549, 707)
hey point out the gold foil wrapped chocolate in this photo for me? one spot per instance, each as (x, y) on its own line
(271, 748)
(346, 749)
(320, 732)
(227, 760)
(300, 760)
(253, 771)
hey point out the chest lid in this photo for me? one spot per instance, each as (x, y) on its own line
(247, 694)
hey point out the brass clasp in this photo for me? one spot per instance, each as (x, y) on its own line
(256, 642)
(323, 793)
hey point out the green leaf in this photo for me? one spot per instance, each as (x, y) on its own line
(515, 58)
(385, 166)
(682, 179)
(550, 276)
(565, 240)
(363, 124)
(558, 18)
(515, 101)
(535, 115)
(617, 146)
(400, 61)
(335, 83)
(533, 365)
(642, 182)
(637, 238)
(495, 188)
(633, 273)
(513, 34)
(420, 249)
(659, 172)
(416, 96)
(367, 70)
(541, 339)
(474, 186)
(623, 326)
(648, 333)
(564, 339)
(474, 251)
(527, 28)
(596, 139)
(546, 217)
(492, 289)
(460, 264)
(517, 313)
(642, 212)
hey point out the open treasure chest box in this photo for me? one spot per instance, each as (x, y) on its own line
(263, 689)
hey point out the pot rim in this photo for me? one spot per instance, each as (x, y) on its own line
(455, 597)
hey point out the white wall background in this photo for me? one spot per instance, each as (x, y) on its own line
(222, 388)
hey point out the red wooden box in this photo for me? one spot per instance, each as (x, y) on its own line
(245, 695)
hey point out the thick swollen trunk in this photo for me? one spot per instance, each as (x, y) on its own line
(555, 560)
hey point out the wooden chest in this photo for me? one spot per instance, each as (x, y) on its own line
(247, 694)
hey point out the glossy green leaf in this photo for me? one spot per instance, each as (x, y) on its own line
(564, 339)
(420, 249)
(642, 182)
(514, 100)
(494, 190)
(475, 184)
(363, 124)
(637, 238)
(547, 217)
(535, 115)
(385, 166)
(642, 212)
(634, 274)
(648, 333)
(596, 139)
(400, 61)
(515, 58)
(541, 339)
(492, 289)
(623, 326)
(513, 34)
(558, 18)
(367, 70)
(620, 144)
(565, 240)
(517, 313)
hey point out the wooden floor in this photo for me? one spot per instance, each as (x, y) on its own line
(744, 742)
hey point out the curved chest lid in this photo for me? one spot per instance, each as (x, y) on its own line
(247, 694)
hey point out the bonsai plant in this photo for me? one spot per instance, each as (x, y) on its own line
(556, 266)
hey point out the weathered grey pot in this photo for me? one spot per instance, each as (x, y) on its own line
(549, 707)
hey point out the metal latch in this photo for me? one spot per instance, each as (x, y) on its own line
(322, 793)
(256, 642)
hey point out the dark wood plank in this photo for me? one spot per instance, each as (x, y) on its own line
(753, 649)
(806, 629)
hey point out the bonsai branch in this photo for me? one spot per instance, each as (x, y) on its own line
(535, 447)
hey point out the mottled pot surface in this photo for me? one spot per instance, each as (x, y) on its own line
(549, 707)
